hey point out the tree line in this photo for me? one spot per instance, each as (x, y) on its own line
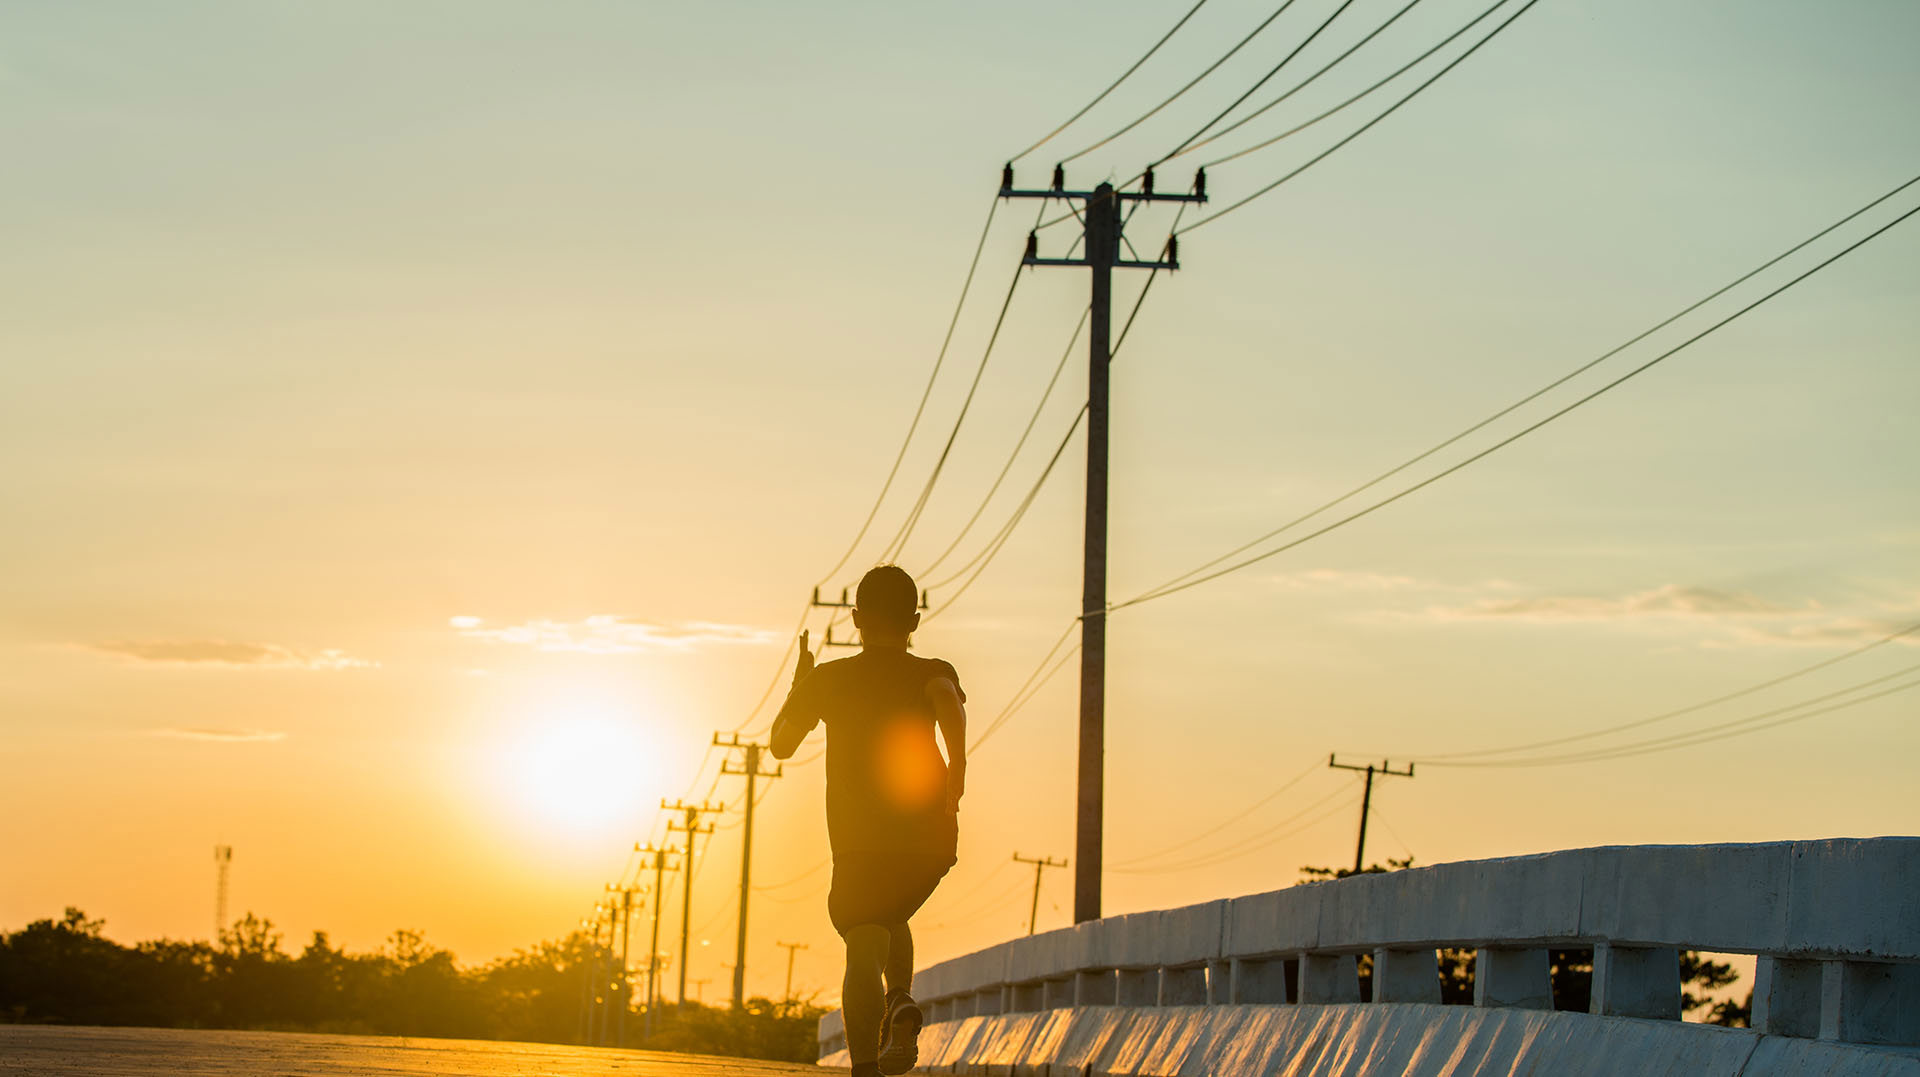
(67, 971)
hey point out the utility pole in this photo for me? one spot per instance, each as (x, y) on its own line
(623, 991)
(749, 768)
(700, 989)
(659, 856)
(691, 827)
(222, 859)
(1040, 864)
(792, 948)
(596, 1008)
(1366, 800)
(1103, 245)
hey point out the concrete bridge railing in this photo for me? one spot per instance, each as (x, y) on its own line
(1835, 925)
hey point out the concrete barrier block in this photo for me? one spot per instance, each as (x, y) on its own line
(1029, 997)
(1183, 986)
(1099, 987)
(1698, 897)
(1406, 976)
(1635, 982)
(1180, 1037)
(1132, 940)
(1137, 987)
(1089, 1030)
(1002, 1042)
(1779, 1057)
(1870, 1002)
(1519, 978)
(952, 1052)
(1040, 957)
(1261, 980)
(1126, 1051)
(1329, 979)
(1516, 899)
(1856, 897)
(1786, 997)
(1275, 922)
(1190, 934)
(1217, 1027)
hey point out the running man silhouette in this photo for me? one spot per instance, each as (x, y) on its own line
(892, 805)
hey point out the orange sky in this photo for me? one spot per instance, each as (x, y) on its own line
(421, 427)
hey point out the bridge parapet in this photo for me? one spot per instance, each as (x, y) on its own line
(1835, 925)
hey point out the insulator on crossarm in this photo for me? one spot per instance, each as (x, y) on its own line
(1200, 182)
(1059, 177)
(1173, 250)
(1033, 245)
(1006, 177)
(1146, 182)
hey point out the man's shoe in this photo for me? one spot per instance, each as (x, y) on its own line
(900, 1034)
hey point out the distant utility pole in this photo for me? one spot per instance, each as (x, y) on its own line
(749, 768)
(1040, 864)
(659, 866)
(690, 826)
(589, 1028)
(1366, 800)
(791, 948)
(222, 858)
(622, 990)
(699, 989)
(1103, 245)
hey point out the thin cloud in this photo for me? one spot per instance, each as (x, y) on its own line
(611, 634)
(221, 736)
(1718, 618)
(229, 654)
(1669, 601)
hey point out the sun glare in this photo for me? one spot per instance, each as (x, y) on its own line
(579, 770)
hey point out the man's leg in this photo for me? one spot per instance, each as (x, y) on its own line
(862, 993)
(899, 959)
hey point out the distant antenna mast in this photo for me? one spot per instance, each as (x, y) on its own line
(222, 857)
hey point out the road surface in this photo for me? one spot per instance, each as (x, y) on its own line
(118, 1052)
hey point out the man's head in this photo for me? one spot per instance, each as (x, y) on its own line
(886, 607)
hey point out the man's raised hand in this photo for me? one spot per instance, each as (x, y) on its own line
(805, 665)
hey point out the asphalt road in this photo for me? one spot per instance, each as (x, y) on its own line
(114, 1052)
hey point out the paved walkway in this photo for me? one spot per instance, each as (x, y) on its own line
(122, 1052)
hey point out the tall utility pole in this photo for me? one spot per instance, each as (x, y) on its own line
(222, 859)
(623, 990)
(659, 865)
(749, 768)
(1366, 800)
(691, 827)
(791, 948)
(1103, 244)
(1040, 864)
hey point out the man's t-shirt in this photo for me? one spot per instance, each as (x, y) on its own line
(886, 779)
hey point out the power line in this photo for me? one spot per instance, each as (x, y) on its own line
(993, 546)
(1235, 853)
(1363, 128)
(1510, 439)
(1177, 94)
(1033, 420)
(1030, 687)
(1101, 96)
(913, 516)
(1312, 768)
(1190, 146)
(1263, 80)
(919, 410)
(1445, 758)
(1544, 389)
(1752, 723)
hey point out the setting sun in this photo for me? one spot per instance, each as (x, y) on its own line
(578, 770)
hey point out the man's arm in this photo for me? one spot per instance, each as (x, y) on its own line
(951, 714)
(795, 720)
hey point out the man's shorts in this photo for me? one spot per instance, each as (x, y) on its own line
(882, 888)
